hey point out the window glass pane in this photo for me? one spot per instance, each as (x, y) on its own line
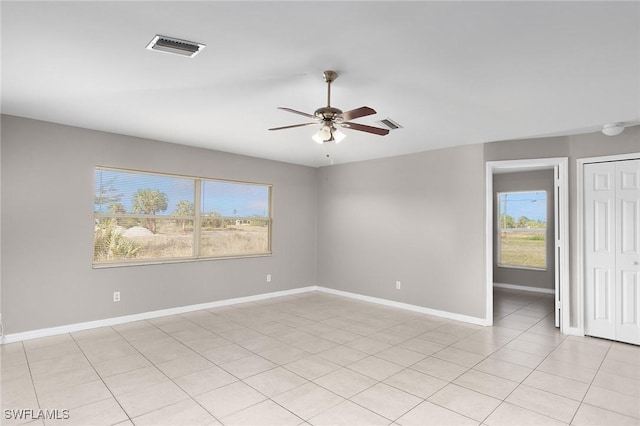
(118, 191)
(523, 229)
(235, 219)
(130, 239)
(231, 199)
(142, 216)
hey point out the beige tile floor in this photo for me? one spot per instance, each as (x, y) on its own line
(326, 360)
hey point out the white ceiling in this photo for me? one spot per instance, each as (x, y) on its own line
(451, 73)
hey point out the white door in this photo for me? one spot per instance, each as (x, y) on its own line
(612, 250)
(599, 213)
(557, 209)
(628, 251)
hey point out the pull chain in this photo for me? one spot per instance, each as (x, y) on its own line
(328, 153)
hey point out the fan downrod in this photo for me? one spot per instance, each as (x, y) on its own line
(328, 113)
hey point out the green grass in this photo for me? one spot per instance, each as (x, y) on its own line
(525, 249)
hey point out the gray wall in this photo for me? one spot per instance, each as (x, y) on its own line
(47, 228)
(526, 181)
(418, 219)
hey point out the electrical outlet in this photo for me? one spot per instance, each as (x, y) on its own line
(268, 278)
(398, 285)
(116, 296)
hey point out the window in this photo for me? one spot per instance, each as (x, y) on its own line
(522, 221)
(145, 217)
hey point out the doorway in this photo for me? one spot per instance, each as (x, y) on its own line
(560, 237)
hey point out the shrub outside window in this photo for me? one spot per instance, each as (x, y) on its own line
(144, 217)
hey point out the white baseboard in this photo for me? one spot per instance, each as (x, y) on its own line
(71, 328)
(52, 331)
(525, 288)
(407, 306)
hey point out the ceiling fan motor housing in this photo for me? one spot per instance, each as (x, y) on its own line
(328, 114)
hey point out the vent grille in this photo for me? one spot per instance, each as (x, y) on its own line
(175, 46)
(387, 122)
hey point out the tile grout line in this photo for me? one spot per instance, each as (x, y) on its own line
(33, 383)
(409, 368)
(591, 384)
(101, 378)
(238, 378)
(532, 369)
(162, 372)
(341, 366)
(313, 381)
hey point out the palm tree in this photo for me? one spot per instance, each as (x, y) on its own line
(184, 208)
(150, 201)
(117, 208)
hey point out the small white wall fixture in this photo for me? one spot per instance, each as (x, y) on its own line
(560, 165)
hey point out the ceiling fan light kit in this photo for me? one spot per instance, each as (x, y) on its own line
(331, 118)
(328, 134)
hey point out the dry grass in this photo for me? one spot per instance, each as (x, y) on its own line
(231, 241)
(526, 249)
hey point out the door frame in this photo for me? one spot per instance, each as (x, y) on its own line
(580, 290)
(560, 166)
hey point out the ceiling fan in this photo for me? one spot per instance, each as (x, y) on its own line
(330, 118)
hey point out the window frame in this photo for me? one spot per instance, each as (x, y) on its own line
(499, 232)
(196, 218)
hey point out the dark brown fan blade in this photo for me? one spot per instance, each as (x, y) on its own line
(297, 112)
(357, 113)
(292, 126)
(365, 128)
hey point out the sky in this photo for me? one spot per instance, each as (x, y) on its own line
(226, 198)
(530, 204)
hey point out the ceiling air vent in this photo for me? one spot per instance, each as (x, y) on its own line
(387, 122)
(176, 46)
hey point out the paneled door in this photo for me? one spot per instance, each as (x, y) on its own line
(612, 250)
